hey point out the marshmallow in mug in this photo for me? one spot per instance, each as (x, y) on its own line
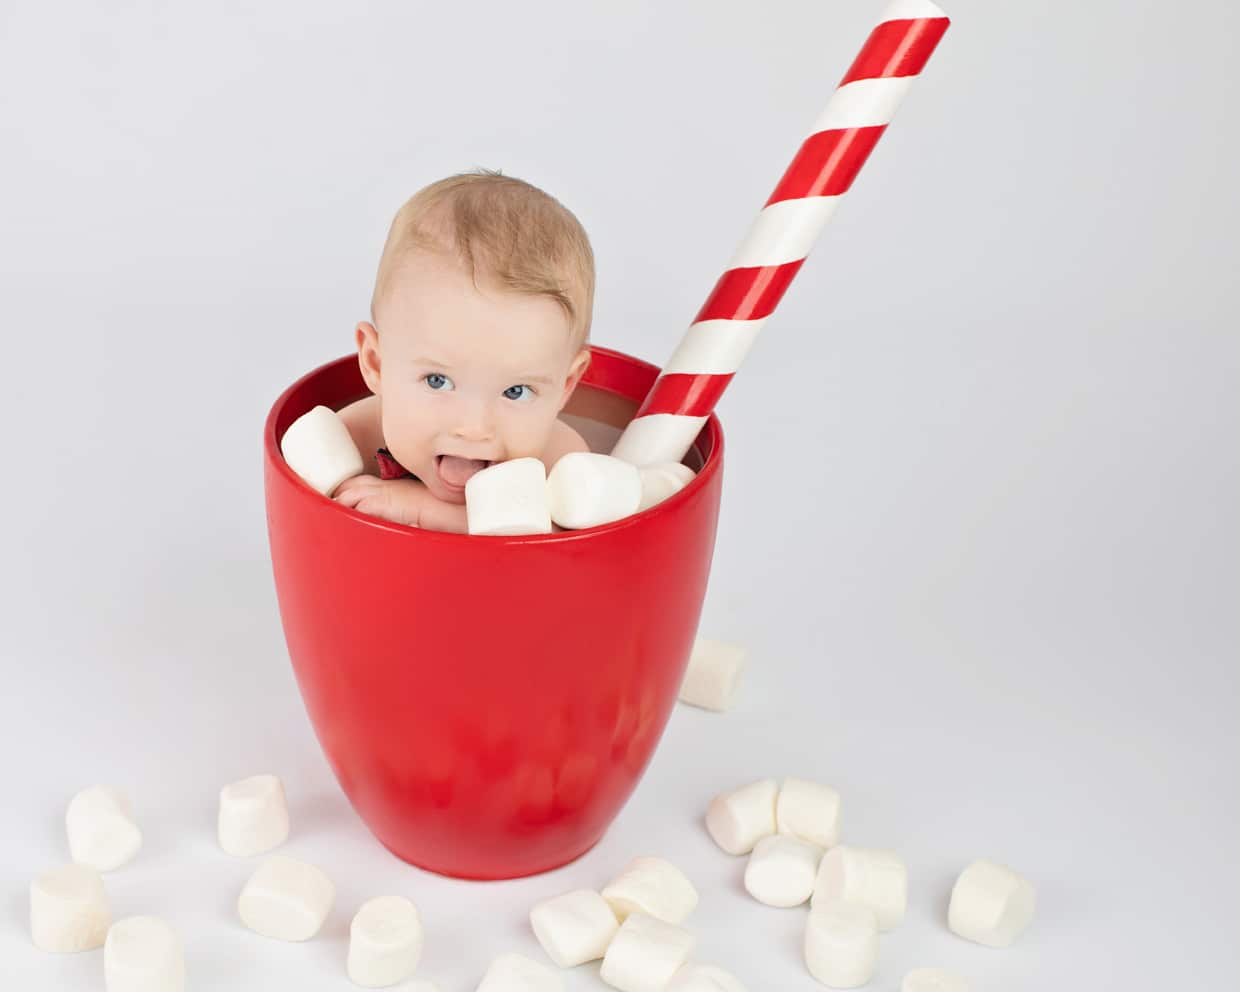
(320, 449)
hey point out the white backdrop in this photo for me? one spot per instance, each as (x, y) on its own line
(978, 526)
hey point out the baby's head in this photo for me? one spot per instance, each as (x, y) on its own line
(480, 317)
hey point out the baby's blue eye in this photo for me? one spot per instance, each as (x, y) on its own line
(514, 393)
(437, 382)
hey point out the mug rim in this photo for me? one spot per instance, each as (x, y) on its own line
(275, 460)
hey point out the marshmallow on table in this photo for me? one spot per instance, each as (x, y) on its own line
(253, 816)
(320, 449)
(737, 820)
(585, 489)
(101, 828)
(704, 978)
(69, 910)
(286, 899)
(575, 927)
(841, 944)
(933, 980)
(514, 973)
(714, 670)
(645, 954)
(654, 887)
(991, 904)
(143, 954)
(385, 942)
(508, 498)
(809, 811)
(865, 876)
(661, 481)
(781, 870)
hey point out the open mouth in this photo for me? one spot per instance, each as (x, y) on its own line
(454, 471)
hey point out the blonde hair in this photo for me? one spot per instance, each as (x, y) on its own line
(523, 238)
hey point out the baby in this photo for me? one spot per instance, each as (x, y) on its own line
(479, 320)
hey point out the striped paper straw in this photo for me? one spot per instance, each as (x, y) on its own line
(772, 252)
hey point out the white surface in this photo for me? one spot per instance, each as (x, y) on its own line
(978, 526)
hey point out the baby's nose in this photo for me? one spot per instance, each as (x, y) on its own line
(476, 425)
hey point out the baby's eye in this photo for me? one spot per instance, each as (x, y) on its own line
(514, 393)
(437, 382)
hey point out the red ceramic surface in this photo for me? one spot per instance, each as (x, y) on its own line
(488, 704)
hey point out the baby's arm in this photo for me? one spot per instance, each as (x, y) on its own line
(403, 501)
(362, 420)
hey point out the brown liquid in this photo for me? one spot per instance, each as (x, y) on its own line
(600, 418)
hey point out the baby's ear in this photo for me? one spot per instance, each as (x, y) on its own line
(368, 354)
(575, 371)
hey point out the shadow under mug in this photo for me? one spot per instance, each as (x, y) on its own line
(488, 704)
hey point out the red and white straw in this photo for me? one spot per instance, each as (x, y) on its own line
(751, 287)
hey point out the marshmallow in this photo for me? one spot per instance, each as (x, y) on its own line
(514, 973)
(737, 820)
(574, 928)
(585, 489)
(645, 954)
(509, 498)
(704, 978)
(713, 672)
(933, 980)
(841, 945)
(101, 828)
(654, 887)
(809, 811)
(253, 816)
(143, 954)
(422, 985)
(69, 910)
(385, 942)
(867, 877)
(781, 870)
(320, 449)
(661, 481)
(991, 904)
(286, 899)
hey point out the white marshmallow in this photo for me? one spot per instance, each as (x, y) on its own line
(575, 927)
(809, 811)
(286, 899)
(705, 978)
(654, 887)
(385, 942)
(841, 945)
(737, 820)
(661, 481)
(143, 954)
(867, 877)
(645, 954)
(101, 828)
(422, 985)
(253, 816)
(991, 904)
(509, 498)
(320, 449)
(514, 973)
(714, 670)
(586, 488)
(69, 910)
(933, 980)
(781, 870)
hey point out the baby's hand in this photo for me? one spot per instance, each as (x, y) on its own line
(397, 500)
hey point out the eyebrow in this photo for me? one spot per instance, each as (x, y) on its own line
(542, 380)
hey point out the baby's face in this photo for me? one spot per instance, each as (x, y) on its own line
(477, 374)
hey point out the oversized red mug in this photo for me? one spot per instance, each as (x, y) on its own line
(489, 704)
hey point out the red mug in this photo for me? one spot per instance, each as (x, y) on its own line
(488, 704)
